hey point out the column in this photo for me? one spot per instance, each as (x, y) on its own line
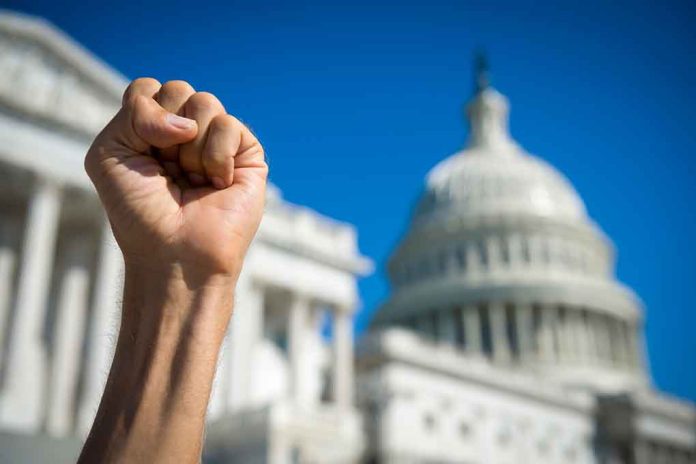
(246, 330)
(472, 329)
(9, 232)
(501, 346)
(547, 344)
(515, 251)
(446, 331)
(604, 340)
(22, 399)
(574, 332)
(626, 344)
(534, 250)
(343, 358)
(525, 331)
(493, 252)
(71, 314)
(473, 258)
(634, 351)
(299, 320)
(563, 334)
(103, 326)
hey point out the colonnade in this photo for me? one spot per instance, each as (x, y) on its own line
(505, 252)
(520, 332)
(57, 288)
(60, 285)
(301, 328)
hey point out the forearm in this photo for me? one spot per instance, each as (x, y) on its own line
(154, 405)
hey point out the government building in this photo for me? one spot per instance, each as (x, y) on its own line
(506, 337)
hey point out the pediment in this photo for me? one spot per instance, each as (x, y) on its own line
(46, 75)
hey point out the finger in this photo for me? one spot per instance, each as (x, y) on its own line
(146, 86)
(201, 107)
(172, 96)
(250, 168)
(222, 143)
(154, 126)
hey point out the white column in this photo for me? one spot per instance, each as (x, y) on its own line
(493, 252)
(245, 332)
(446, 331)
(103, 326)
(343, 358)
(547, 345)
(299, 320)
(515, 251)
(574, 333)
(473, 258)
(501, 346)
(586, 340)
(604, 345)
(525, 331)
(9, 231)
(563, 334)
(71, 313)
(23, 398)
(472, 329)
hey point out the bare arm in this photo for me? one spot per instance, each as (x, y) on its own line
(183, 214)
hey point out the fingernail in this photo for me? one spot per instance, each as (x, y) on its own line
(196, 179)
(180, 122)
(218, 183)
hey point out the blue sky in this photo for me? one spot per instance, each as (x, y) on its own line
(356, 102)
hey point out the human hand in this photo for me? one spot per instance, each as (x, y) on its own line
(182, 181)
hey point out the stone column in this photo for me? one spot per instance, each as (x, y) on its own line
(563, 334)
(245, 332)
(472, 329)
(299, 320)
(103, 326)
(525, 331)
(9, 232)
(23, 397)
(515, 251)
(493, 252)
(634, 349)
(547, 343)
(446, 331)
(69, 331)
(575, 333)
(604, 342)
(473, 259)
(343, 358)
(501, 345)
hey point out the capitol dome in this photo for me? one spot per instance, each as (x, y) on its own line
(502, 260)
(495, 176)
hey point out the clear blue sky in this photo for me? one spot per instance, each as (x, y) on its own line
(356, 102)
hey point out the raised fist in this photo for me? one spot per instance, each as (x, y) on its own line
(182, 181)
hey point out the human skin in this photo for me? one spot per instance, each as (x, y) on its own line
(183, 186)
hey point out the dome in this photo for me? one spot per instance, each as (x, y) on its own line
(502, 260)
(494, 176)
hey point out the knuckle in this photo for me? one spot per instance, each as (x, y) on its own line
(176, 87)
(135, 85)
(203, 101)
(224, 122)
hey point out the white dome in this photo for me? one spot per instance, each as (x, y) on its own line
(493, 176)
(481, 182)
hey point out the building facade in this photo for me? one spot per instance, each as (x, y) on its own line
(283, 391)
(507, 337)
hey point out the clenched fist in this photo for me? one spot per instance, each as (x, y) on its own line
(182, 181)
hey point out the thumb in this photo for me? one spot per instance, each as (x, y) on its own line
(148, 124)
